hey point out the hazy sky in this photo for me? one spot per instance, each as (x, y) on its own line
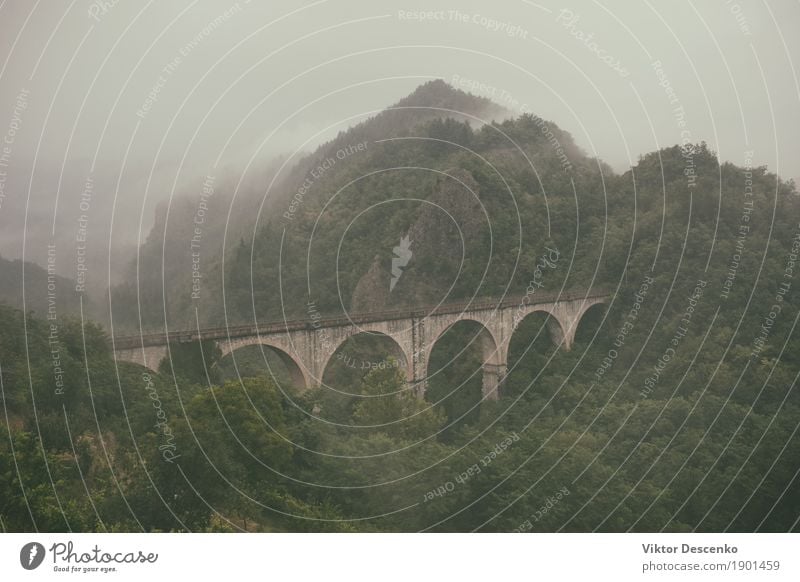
(131, 93)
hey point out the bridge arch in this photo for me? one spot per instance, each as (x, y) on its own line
(556, 329)
(150, 356)
(493, 357)
(586, 317)
(564, 317)
(298, 374)
(394, 344)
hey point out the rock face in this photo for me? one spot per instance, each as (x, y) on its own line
(372, 291)
(437, 242)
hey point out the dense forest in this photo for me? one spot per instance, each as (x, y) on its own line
(676, 408)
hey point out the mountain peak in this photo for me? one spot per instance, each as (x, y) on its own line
(441, 95)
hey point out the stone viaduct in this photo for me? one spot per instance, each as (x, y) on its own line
(307, 346)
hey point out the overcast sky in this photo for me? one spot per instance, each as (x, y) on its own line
(235, 81)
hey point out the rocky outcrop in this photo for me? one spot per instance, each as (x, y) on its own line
(439, 240)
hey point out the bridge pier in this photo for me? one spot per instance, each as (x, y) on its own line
(557, 333)
(493, 375)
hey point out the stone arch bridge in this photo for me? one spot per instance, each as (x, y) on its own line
(307, 346)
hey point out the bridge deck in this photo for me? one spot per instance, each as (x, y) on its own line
(160, 338)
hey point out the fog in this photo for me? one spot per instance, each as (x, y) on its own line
(145, 100)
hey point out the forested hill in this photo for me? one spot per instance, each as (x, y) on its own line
(43, 291)
(362, 164)
(478, 202)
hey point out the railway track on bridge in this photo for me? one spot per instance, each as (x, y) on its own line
(159, 338)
